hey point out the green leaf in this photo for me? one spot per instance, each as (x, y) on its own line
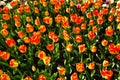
(88, 75)
(92, 73)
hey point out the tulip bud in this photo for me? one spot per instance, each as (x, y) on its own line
(91, 65)
(106, 63)
(93, 49)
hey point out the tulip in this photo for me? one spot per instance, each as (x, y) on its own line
(13, 63)
(47, 60)
(82, 48)
(91, 66)
(80, 67)
(106, 63)
(41, 77)
(41, 55)
(61, 70)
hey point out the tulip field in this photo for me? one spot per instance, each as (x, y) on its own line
(60, 40)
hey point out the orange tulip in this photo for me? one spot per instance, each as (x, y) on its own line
(117, 13)
(66, 37)
(1, 53)
(89, 15)
(107, 74)
(118, 46)
(4, 32)
(105, 11)
(65, 24)
(36, 10)
(118, 19)
(16, 17)
(73, 17)
(47, 20)
(60, 78)
(112, 49)
(42, 28)
(1, 71)
(5, 55)
(97, 5)
(28, 19)
(83, 8)
(91, 65)
(35, 38)
(64, 19)
(50, 47)
(13, 63)
(58, 18)
(91, 35)
(29, 28)
(1, 10)
(94, 29)
(104, 42)
(22, 48)
(69, 47)
(37, 21)
(57, 6)
(53, 2)
(112, 10)
(68, 10)
(83, 26)
(47, 60)
(51, 34)
(76, 30)
(55, 38)
(95, 12)
(35, 2)
(79, 20)
(100, 20)
(106, 63)
(41, 77)
(41, 1)
(61, 2)
(14, 3)
(6, 10)
(91, 22)
(4, 76)
(78, 38)
(19, 10)
(82, 48)
(5, 25)
(46, 13)
(17, 24)
(28, 78)
(26, 40)
(118, 26)
(109, 31)
(80, 67)
(118, 56)
(27, 8)
(10, 42)
(20, 34)
(74, 76)
(100, 15)
(44, 4)
(6, 16)
(71, 3)
(56, 10)
(41, 55)
(61, 70)
(110, 18)
(93, 49)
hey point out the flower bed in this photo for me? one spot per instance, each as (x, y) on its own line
(58, 40)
